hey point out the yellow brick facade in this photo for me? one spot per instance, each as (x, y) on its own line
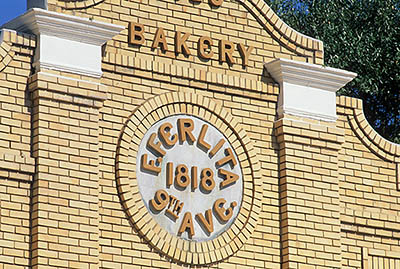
(316, 194)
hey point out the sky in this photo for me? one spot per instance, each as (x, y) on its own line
(10, 9)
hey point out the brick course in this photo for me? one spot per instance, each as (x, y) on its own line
(325, 195)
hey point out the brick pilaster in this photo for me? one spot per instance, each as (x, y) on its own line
(309, 193)
(65, 231)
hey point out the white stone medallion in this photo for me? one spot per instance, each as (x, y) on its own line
(189, 177)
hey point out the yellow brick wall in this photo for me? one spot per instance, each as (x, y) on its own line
(15, 55)
(309, 195)
(14, 223)
(65, 199)
(369, 187)
(16, 162)
(330, 192)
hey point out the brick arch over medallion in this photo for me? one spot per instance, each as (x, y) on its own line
(177, 249)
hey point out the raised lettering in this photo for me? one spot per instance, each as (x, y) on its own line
(182, 177)
(207, 179)
(205, 43)
(206, 221)
(187, 224)
(217, 147)
(172, 200)
(136, 31)
(172, 214)
(216, 3)
(160, 200)
(160, 40)
(150, 166)
(180, 43)
(226, 49)
(245, 54)
(200, 142)
(165, 135)
(155, 146)
(178, 207)
(185, 128)
(194, 178)
(222, 213)
(229, 178)
(228, 158)
(170, 174)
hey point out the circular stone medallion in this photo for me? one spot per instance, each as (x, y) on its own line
(189, 177)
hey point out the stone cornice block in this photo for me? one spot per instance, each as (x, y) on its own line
(43, 22)
(308, 90)
(66, 43)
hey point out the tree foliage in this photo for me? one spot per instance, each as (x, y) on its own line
(362, 36)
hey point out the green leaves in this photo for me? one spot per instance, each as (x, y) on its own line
(362, 36)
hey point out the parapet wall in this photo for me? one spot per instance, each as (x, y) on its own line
(165, 134)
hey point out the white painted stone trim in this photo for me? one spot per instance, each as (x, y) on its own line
(308, 90)
(65, 42)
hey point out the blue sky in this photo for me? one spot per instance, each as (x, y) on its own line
(10, 9)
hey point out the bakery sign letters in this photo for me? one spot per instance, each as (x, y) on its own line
(205, 44)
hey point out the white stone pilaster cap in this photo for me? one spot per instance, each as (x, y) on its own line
(308, 90)
(310, 75)
(39, 21)
(66, 43)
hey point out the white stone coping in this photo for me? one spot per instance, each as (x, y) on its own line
(66, 43)
(39, 21)
(308, 90)
(310, 75)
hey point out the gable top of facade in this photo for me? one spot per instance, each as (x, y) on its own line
(286, 36)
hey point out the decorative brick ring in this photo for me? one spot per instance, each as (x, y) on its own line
(145, 158)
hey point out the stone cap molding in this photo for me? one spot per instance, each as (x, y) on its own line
(80, 40)
(308, 90)
(43, 22)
